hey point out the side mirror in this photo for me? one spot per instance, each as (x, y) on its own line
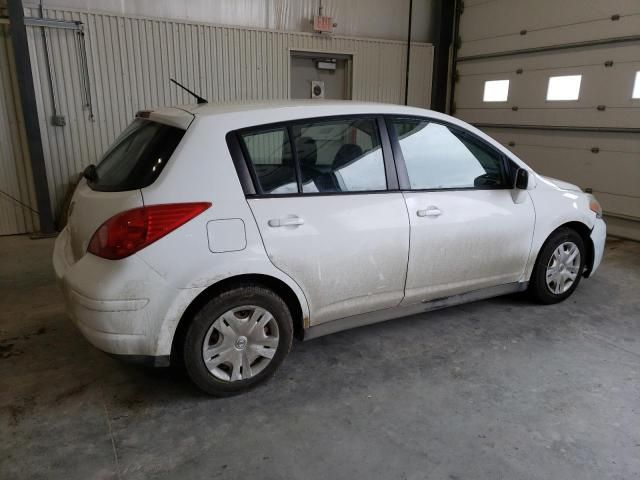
(522, 179)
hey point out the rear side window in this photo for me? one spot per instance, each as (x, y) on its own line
(342, 155)
(270, 154)
(137, 157)
(439, 157)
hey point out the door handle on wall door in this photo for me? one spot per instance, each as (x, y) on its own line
(286, 222)
(429, 212)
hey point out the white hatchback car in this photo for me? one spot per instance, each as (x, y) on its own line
(214, 234)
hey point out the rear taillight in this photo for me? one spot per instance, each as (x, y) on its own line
(129, 232)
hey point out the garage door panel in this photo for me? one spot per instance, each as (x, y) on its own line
(585, 117)
(574, 57)
(600, 85)
(495, 26)
(596, 171)
(597, 30)
(484, 18)
(622, 227)
(614, 170)
(612, 141)
(620, 205)
(594, 141)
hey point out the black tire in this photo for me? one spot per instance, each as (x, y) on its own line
(538, 288)
(207, 315)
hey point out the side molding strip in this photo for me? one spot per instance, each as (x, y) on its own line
(398, 312)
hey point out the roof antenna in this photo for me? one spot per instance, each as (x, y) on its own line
(198, 97)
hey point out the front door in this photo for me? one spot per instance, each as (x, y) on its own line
(468, 230)
(326, 215)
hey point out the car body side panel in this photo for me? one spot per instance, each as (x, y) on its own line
(481, 238)
(349, 255)
(598, 237)
(203, 171)
(555, 206)
(227, 265)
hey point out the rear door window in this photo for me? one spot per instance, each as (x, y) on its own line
(342, 155)
(137, 157)
(333, 156)
(270, 154)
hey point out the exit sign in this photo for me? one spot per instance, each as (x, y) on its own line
(322, 23)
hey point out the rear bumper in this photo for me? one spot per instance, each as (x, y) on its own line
(111, 302)
(598, 237)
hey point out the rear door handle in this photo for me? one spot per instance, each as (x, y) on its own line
(431, 211)
(286, 222)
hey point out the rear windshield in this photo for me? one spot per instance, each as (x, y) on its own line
(137, 157)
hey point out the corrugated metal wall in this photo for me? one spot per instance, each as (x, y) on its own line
(131, 59)
(355, 18)
(17, 198)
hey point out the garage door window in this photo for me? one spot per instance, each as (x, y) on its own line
(566, 87)
(439, 157)
(636, 86)
(496, 91)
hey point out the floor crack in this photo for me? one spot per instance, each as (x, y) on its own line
(113, 440)
(599, 338)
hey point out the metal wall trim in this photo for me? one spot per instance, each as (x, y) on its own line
(550, 48)
(46, 22)
(24, 75)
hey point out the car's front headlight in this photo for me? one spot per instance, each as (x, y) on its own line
(594, 206)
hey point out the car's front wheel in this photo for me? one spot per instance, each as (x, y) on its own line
(237, 340)
(559, 267)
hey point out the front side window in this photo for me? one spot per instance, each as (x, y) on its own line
(439, 157)
(340, 156)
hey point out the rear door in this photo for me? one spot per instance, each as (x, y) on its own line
(329, 212)
(468, 228)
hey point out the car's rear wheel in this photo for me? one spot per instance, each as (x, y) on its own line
(559, 267)
(237, 340)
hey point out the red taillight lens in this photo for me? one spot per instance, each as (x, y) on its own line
(129, 232)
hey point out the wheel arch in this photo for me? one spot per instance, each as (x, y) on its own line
(585, 233)
(272, 283)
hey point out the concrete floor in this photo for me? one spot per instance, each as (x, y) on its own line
(496, 389)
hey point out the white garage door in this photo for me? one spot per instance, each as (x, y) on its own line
(569, 108)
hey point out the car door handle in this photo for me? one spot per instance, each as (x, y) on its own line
(430, 212)
(286, 222)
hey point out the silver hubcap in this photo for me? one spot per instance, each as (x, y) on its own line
(563, 268)
(240, 343)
